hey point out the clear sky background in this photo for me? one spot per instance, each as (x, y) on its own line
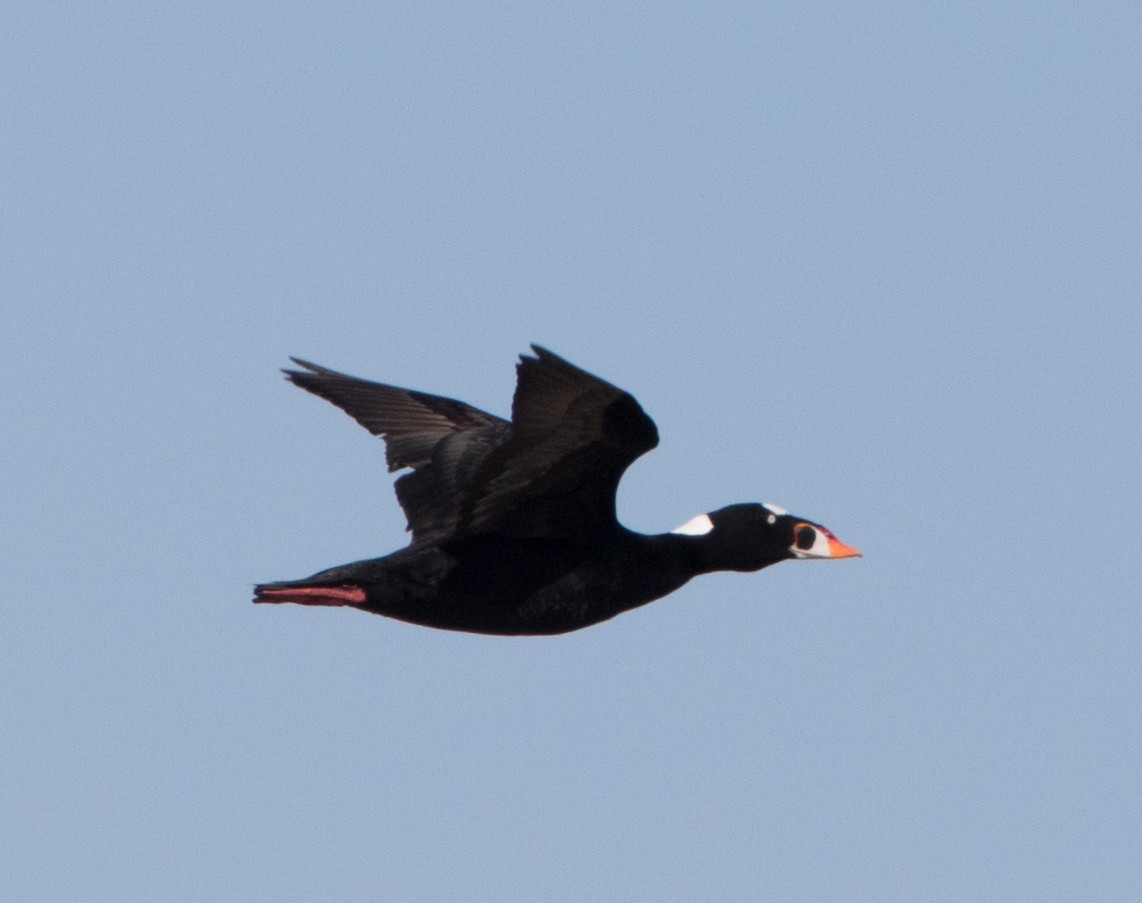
(880, 263)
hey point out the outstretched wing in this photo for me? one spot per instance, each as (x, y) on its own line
(411, 423)
(551, 473)
(443, 440)
(573, 436)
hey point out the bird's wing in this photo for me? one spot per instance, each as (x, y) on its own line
(572, 437)
(443, 440)
(552, 472)
(411, 423)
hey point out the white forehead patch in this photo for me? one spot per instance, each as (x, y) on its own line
(696, 526)
(774, 509)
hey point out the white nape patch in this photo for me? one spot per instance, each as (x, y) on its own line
(696, 526)
(774, 509)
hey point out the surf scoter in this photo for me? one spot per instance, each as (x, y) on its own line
(513, 522)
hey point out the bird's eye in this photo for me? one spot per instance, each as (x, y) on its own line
(806, 536)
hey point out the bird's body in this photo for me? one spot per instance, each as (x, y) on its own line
(513, 523)
(506, 585)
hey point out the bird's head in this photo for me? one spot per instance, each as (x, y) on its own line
(748, 537)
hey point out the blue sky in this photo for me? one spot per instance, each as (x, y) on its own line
(879, 264)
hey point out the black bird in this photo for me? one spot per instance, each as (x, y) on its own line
(513, 523)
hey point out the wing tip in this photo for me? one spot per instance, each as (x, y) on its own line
(313, 369)
(546, 356)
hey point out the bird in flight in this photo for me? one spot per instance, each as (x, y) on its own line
(513, 522)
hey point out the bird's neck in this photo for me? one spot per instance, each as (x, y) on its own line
(710, 552)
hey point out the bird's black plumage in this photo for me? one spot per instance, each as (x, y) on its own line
(513, 523)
